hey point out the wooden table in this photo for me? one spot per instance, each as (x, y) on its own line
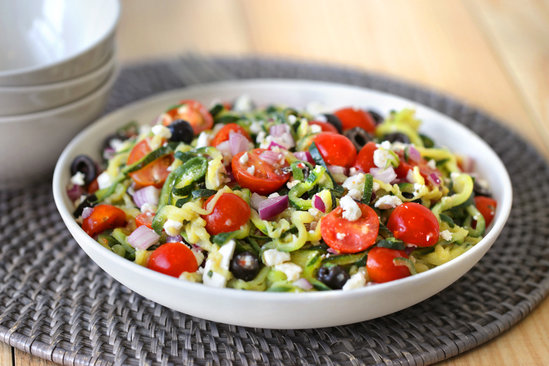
(493, 54)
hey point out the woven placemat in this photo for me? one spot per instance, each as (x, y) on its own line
(57, 304)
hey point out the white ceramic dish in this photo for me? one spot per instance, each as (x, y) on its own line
(16, 100)
(45, 41)
(30, 144)
(285, 310)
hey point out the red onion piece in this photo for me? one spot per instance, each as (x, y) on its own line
(224, 148)
(386, 175)
(74, 192)
(174, 239)
(149, 194)
(256, 199)
(285, 140)
(414, 154)
(86, 212)
(304, 156)
(303, 283)
(238, 143)
(271, 207)
(274, 144)
(434, 178)
(143, 238)
(318, 203)
(279, 130)
(270, 157)
(467, 164)
(336, 169)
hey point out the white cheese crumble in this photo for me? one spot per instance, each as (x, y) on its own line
(251, 169)
(104, 180)
(292, 183)
(78, 179)
(203, 140)
(387, 202)
(216, 267)
(244, 158)
(243, 103)
(198, 255)
(355, 185)
(381, 158)
(272, 257)
(260, 139)
(255, 128)
(148, 207)
(385, 145)
(315, 128)
(292, 119)
(172, 227)
(375, 187)
(351, 211)
(161, 131)
(316, 108)
(446, 235)
(341, 236)
(291, 270)
(432, 164)
(356, 281)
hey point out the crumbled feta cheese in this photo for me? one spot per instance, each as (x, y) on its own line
(161, 131)
(145, 129)
(116, 144)
(291, 270)
(104, 180)
(316, 108)
(353, 171)
(356, 281)
(387, 202)
(203, 140)
(272, 257)
(432, 164)
(446, 235)
(274, 194)
(341, 236)
(292, 183)
(315, 128)
(78, 179)
(147, 207)
(255, 127)
(355, 185)
(243, 103)
(251, 169)
(260, 139)
(292, 119)
(351, 211)
(418, 188)
(244, 158)
(375, 187)
(398, 146)
(198, 255)
(172, 227)
(216, 268)
(385, 145)
(381, 158)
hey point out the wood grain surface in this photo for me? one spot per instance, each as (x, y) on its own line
(492, 54)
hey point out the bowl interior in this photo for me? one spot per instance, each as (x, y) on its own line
(48, 31)
(283, 310)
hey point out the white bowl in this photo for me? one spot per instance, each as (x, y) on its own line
(45, 41)
(29, 99)
(285, 310)
(30, 144)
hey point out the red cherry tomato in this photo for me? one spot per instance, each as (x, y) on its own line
(354, 117)
(223, 134)
(264, 177)
(415, 224)
(93, 186)
(487, 207)
(154, 173)
(325, 126)
(424, 169)
(229, 214)
(350, 236)
(172, 259)
(103, 217)
(193, 112)
(335, 149)
(380, 265)
(144, 218)
(365, 158)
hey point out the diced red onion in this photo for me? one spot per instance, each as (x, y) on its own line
(174, 239)
(414, 154)
(238, 143)
(74, 192)
(336, 169)
(318, 203)
(303, 283)
(143, 238)
(149, 194)
(386, 175)
(304, 156)
(285, 140)
(86, 212)
(256, 199)
(271, 207)
(332, 251)
(270, 157)
(434, 178)
(279, 130)
(467, 164)
(224, 148)
(274, 144)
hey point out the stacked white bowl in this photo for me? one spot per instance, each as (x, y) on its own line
(57, 67)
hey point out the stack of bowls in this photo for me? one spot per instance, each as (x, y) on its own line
(57, 68)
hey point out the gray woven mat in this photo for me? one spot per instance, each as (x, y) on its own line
(57, 304)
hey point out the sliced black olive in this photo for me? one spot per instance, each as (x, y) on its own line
(182, 131)
(245, 266)
(334, 276)
(481, 190)
(378, 118)
(397, 137)
(85, 165)
(359, 137)
(89, 201)
(335, 121)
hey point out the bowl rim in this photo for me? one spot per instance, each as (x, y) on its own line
(10, 73)
(32, 117)
(58, 187)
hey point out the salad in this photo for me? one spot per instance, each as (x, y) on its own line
(274, 198)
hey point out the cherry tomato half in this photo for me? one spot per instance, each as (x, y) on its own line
(172, 259)
(154, 173)
(264, 177)
(487, 207)
(335, 149)
(229, 214)
(145, 218)
(193, 112)
(223, 134)
(415, 224)
(424, 169)
(355, 117)
(325, 126)
(380, 265)
(365, 158)
(103, 217)
(350, 236)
